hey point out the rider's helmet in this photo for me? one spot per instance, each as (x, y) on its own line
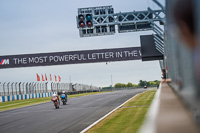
(63, 92)
(54, 95)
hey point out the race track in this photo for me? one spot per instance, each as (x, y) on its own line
(79, 113)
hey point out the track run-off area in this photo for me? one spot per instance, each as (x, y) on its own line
(79, 113)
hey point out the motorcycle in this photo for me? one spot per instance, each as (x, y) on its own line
(64, 99)
(55, 101)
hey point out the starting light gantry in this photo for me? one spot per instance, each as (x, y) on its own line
(98, 21)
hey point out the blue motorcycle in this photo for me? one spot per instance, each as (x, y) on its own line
(64, 98)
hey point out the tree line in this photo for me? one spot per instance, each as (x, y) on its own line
(140, 84)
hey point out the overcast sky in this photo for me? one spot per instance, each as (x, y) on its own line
(42, 26)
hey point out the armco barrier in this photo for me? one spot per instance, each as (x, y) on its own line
(25, 96)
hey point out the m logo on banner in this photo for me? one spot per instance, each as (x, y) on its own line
(4, 61)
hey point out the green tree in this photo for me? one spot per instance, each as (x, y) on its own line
(129, 84)
(123, 86)
(157, 82)
(147, 83)
(135, 85)
(152, 83)
(118, 85)
(141, 83)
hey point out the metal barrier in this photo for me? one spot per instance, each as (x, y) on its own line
(10, 91)
(16, 88)
(182, 61)
(58, 87)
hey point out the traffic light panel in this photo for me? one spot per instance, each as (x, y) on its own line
(85, 21)
(89, 24)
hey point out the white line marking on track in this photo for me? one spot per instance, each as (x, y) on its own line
(90, 126)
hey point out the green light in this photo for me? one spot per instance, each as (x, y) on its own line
(89, 17)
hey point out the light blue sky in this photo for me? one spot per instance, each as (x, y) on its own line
(41, 26)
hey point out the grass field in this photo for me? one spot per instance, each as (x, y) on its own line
(22, 103)
(128, 118)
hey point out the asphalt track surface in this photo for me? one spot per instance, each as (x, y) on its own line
(79, 113)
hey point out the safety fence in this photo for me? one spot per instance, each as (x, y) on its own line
(18, 88)
(10, 91)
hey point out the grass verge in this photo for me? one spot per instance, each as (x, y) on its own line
(23, 103)
(127, 119)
